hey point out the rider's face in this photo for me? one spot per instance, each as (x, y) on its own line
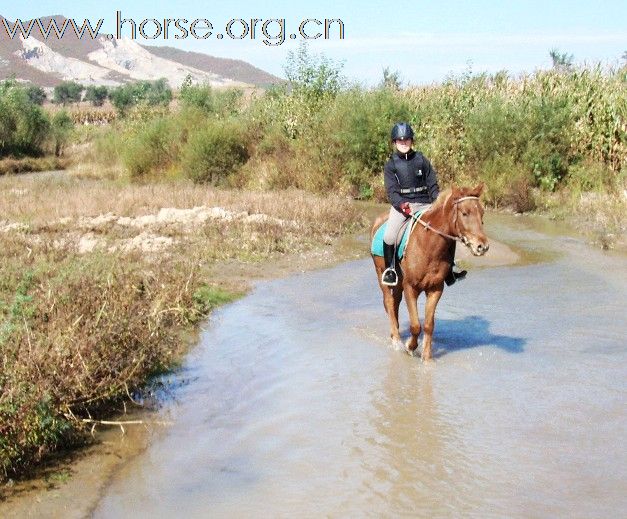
(403, 145)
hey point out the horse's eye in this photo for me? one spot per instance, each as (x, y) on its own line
(464, 214)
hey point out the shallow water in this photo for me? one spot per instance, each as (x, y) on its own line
(298, 404)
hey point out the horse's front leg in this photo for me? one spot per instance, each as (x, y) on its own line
(411, 298)
(433, 297)
(391, 300)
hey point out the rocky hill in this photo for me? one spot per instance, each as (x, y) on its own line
(107, 61)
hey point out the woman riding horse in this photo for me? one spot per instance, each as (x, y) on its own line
(457, 215)
(412, 185)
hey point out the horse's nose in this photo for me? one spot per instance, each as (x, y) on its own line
(482, 248)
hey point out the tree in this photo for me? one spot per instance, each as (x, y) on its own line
(36, 94)
(60, 129)
(391, 80)
(562, 61)
(149, 92)
(23, 124)
(315, 76)
(96, 95)
(159, 93)
(68, 92)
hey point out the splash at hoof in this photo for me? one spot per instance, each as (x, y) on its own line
(397, 344)
(412, 353)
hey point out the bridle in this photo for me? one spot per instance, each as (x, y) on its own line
(428, 226)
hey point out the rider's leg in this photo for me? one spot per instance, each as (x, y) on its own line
(455, 273)
(395, 221)
(389, 276)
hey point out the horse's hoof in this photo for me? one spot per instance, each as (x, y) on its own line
(427, 358)
(412, 353)
(397, 344)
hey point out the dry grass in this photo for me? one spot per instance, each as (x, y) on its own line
(82, 325)
(32, 200)
(12, 166)
(600, 216)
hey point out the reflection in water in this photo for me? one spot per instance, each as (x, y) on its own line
(407, 426)
(298, 404)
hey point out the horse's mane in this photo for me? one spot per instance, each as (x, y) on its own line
(441, 200)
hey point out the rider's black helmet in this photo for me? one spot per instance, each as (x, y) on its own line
(402, 131)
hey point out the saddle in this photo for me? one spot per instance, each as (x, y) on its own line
(377, 241)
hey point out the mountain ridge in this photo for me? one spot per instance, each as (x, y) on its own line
(110, 62)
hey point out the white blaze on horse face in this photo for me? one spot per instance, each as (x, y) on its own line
(471, 227)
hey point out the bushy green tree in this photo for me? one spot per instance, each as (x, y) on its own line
(68, 92)
(314, 76)
(96, 95)
(23, 124)
(150, 92)
(36, 94)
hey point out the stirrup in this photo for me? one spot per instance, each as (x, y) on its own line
(390, 282)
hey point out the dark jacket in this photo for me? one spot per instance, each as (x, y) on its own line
(409, 177)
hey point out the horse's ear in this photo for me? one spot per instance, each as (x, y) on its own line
(478, 189)
(455, 192)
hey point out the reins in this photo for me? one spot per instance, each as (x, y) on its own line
(428, 226)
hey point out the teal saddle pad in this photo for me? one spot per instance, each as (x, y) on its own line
(377, 241)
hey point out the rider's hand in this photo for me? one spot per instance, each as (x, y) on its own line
(405, 209)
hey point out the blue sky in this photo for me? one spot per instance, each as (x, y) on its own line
(423, 41)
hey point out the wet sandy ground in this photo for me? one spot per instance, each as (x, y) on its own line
(295, 402)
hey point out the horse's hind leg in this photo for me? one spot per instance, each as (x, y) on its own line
(411, 298)
(432, 302)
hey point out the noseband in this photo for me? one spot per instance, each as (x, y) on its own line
(427, 225)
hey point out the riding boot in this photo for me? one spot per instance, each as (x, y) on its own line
(455, 272)
(389, 276)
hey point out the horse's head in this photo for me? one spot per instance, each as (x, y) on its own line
(468, 218)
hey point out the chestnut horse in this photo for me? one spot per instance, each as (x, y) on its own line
(457, 215)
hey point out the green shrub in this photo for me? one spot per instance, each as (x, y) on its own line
(152, 148)
(225, 102)
(494, 129)
(214, 152)
(508, 184)
(60, 130)
(23, 123)
(591, 176)
(548, 151)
